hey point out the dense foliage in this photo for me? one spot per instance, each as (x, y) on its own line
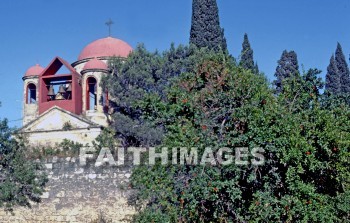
(205, 26)
(247, 58)
(305, 177)
(287, 67)
(343, 70)
(338, 74)
(21, 180)
(333, 85)
(141, 74)
(130, 81)
(200, 98)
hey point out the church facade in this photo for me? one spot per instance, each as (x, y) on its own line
(65, 100)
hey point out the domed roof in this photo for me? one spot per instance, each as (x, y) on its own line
(34, 70)
(107, 47)
(95, 64)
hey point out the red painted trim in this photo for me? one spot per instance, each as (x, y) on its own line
(74, 104)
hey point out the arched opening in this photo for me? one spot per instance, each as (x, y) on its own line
(31, 94)
(91, 93)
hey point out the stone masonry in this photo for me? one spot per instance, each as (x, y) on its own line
(78, 194)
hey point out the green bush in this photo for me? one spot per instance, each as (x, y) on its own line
(306, 173)
(21, 179)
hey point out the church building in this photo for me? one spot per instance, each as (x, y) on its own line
(64, 100)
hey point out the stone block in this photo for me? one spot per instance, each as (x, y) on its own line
(92, 176)
(71, 218)
(54, 159)
(127, 175)
(79, 171)
(48, 166)
(45, 195)
(60, 194)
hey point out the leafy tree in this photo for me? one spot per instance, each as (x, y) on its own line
(205, 26)
(305, 177)
(21, 179)
(343, 70)
(287, 67)
(131, 79)
(331, 101)
(142, 73)
(333, 84)
(174, 62)
(302, 91)
(247, 61)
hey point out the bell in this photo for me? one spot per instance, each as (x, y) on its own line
(69, 88)
(61, 90)
(51, 91)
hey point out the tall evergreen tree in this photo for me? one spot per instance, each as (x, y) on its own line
(287, 67)
(256, 68)
(205, 26)
(247, 61)
(343, 70)
(333, 85)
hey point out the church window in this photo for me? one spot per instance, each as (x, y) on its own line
(31, 94)
(91, 94)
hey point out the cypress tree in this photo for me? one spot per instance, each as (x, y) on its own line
(343, 70)
(333, 85)
(205, 26)
(247, 61)
(287, 67)
(256, 68)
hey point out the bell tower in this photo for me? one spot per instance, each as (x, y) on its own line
(95, 100)
(31, 93)
(68, 93)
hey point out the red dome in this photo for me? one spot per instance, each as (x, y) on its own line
(106, 47)
(34, 70)
(95, 64)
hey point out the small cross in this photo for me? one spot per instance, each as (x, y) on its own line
(109, 23)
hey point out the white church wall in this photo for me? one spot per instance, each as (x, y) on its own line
(52, 138)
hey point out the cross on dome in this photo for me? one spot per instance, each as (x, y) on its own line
(109, 23)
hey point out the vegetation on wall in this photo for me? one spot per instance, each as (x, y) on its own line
(66, 148)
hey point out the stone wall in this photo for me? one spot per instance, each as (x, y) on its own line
(79, 194)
